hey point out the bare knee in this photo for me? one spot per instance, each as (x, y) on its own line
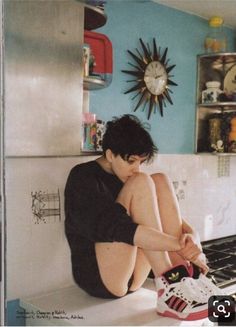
(160, 178)
(139, 180)
(135, 186)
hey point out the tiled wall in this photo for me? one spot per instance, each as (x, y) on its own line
(206, 198)
(38, 258)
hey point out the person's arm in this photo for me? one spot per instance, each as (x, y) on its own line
(92, 213)
(151, 239)
(192, 251)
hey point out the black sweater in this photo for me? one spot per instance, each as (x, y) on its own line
(92, 215)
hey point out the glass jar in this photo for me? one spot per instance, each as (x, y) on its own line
(215, 40)
(215, 139)
(232, 135)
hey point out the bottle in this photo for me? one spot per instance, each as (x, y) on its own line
(89, 132)
(86, 56)
(99, 134)
(232, 135)
(215, 40)
(215, 139)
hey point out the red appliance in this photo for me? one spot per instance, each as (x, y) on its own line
(101, 49)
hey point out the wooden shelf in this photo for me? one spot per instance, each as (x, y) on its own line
(94, 17)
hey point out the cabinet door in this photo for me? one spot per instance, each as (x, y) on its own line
(43, 77)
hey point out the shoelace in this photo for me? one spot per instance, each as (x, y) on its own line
(211, 289)
(191, 290)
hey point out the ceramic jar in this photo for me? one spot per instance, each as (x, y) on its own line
(211, 94)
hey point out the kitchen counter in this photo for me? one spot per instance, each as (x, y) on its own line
(72, 307)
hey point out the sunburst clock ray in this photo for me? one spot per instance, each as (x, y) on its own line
(151, 75)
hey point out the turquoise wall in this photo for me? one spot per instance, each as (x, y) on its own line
(183, 34)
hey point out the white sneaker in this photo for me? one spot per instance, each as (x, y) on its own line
(207, 284)
(209, 287)
(180, 296)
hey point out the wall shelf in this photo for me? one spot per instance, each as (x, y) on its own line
(97, 66)
(218, 104)
(101, 48)
(214, 67)
(94, 17)
(93, 83)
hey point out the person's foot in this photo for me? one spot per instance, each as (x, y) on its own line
(180, 296)
(209, 286)
(206, 282)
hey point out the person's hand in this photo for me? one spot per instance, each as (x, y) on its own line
(189, 247)
(192, 251)
(200, 261)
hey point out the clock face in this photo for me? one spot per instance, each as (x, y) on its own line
(155, 77)
(151, 77)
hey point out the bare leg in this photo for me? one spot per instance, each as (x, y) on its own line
(117, 261)
(140, 200)
(169, 211)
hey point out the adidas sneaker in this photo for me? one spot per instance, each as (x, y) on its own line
(180, 296)
(206, 282)
(209, 286)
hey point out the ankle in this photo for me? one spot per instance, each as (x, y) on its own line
(161, 270)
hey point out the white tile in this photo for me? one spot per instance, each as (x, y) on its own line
(233, 168)
(19, 280)
(46, 240)
(209, 166)
(19, 245)
(51, 273)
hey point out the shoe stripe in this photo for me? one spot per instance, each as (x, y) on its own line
(171, 301)
(197, 305)
(182, 306)
(175, 303)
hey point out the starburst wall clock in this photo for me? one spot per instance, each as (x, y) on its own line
(152, 78)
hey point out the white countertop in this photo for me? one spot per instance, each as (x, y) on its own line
(72, 307)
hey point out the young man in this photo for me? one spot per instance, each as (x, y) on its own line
(120, 223)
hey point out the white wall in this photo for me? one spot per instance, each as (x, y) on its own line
(38, 257)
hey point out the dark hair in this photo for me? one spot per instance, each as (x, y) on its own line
(126, 136)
